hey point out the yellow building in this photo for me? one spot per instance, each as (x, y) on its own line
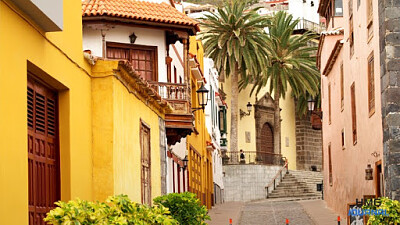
(70, 129)
(45, 110)
(127, 116)
(199, 149)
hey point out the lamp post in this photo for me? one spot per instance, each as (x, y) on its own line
(202, 95)
(249, 108)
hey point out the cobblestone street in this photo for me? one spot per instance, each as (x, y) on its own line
(267, 212)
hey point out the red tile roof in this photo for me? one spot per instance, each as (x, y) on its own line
(137, 10)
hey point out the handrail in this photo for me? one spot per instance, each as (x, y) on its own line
(279, 173)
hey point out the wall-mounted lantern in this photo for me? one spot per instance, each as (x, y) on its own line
(368, 173)
(249, 108)
(132, 38)
(315, 115)
(185, 162)
(202, 95)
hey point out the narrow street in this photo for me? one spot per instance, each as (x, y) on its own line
(273, 212)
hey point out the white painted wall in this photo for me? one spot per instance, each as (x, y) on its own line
(211, 76)
(304, 10)
(92, 40)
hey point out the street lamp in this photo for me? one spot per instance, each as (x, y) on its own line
(202, 95)
(311, 107)
(249, 108)
(185, 162)
(132, 38)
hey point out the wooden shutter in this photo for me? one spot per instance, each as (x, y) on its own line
(371, 85)
(353, 113)
(351, 28)
(369, 12)
(329, 102)
(146, 163)
(143, 58)
(43, 151)
(330, 164)
(341, 86)
(194, 172)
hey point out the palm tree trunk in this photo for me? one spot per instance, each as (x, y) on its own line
(234, 114)
(277, 121)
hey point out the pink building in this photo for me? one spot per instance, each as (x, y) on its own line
(349, 60)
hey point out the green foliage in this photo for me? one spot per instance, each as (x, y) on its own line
(392, 208)
(290, 60)
(234, 36)
(184, 207)
(118, 210)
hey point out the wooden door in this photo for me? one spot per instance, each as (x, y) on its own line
(43, 151)
(146, 164)
(267, 144)
(379, 179)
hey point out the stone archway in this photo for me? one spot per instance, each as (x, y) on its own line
(264, 118)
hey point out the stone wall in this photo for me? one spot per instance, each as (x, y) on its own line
(247, 182)
(308, 145)
(163, 156)
(389, 35)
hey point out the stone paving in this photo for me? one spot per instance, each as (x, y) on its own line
(273, 212)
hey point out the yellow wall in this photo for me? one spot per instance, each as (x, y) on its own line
(20, 42)
(117, 116)
(247, 123)
(199, 140)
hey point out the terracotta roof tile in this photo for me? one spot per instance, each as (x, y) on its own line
(137, 10)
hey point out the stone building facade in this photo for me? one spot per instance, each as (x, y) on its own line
(308, 145)
(389, 35)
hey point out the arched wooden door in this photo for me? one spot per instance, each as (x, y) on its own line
(267, 143)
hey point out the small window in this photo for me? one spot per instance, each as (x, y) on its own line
(370, 29)
(330, 165)
(371, 85)
(329, 102)
(343, 140)
(339, 7)
(353, 113)
(341, 87)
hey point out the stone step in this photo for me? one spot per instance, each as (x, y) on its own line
(272, 195)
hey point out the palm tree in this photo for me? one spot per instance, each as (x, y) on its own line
(290, 64)
(234, 38)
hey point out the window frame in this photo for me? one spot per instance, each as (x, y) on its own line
(353, 112)
(330, 177)
(371, 84)
(329, 104)
(341, 86)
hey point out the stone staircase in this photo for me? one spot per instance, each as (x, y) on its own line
(298, 185)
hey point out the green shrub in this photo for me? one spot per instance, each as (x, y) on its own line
(184, 207)
(392, 208)
(118, 210)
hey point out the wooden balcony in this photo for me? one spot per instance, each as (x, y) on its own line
(179, 123)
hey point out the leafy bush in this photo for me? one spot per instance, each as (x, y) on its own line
(392, 208)
(184, 207)
(118, 210)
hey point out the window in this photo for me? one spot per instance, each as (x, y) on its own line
(370, 19)
(338, 7)
(371, 85)
(329, 102)
(43, 151)
(351, 28)
(353, 113)
(143, 58)
(145, 163)
(358, 4)
(330, 165)
(341, 86)
(175, 75)
(222, 120)
(343, 141)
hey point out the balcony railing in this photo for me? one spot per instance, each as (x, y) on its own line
(176, 94)
(253, 157)
(309, 26)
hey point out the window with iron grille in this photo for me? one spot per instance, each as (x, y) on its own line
(341, 86)
(330, 165)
